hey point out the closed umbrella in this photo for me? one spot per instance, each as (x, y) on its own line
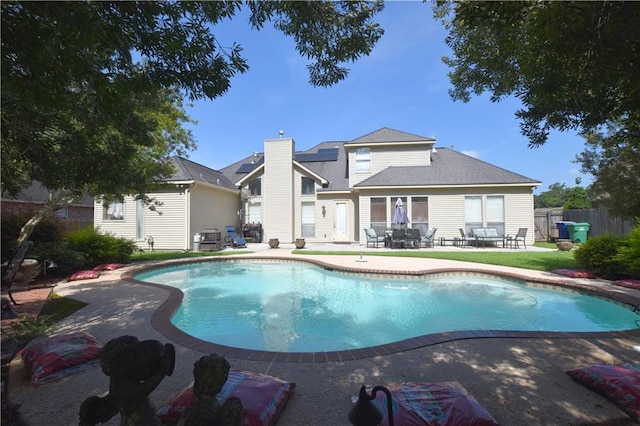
(400, 215)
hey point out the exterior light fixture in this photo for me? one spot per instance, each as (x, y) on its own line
(364, 413)
(324, 211)
(48, 264)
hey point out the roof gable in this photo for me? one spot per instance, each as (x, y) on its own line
(386, 135)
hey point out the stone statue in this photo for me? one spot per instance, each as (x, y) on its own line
(135, 369)
(210, 374)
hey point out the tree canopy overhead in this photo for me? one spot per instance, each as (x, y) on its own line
(573, 65)
(91, 91)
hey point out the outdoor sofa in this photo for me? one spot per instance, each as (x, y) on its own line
(487, 235)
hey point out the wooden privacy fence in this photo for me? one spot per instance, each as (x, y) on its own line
(599, 220)
(545, 223)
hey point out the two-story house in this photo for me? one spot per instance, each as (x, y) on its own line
(330, 193)
(334, 190)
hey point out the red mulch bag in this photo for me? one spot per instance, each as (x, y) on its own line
(263, 398)
(619, 383)
(108, 267)
(433, 404)
(49, 359)
(83, 275)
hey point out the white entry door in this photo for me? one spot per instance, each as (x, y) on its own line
(340, 228)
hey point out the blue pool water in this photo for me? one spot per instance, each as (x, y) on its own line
(299, 307)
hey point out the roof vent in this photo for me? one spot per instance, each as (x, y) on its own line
(218, 181)
(433, 149)
(281, 133)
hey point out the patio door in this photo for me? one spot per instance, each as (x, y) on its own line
(340, 231)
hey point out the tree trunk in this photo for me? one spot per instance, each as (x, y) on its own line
(50, 206)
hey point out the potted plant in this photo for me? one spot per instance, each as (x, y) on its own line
(274, 243)
(300, 243)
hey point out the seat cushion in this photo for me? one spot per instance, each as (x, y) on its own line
(491, 232)
(263, 398)
(433, 404)
(479, 232)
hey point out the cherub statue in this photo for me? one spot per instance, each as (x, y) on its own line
(135, 369)
(210, 374)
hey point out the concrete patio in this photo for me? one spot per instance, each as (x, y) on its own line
(519, 380)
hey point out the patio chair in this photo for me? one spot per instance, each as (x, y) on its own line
(427, 240)
(398, 238)
(373, 240)
(463, 238)
(233, 239)
(520, 236)
(412, 237)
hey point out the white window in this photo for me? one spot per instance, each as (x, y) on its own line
(255, 187)
(472, 213)
(113, 211)
(420, 214)
(308, 186)
(255, 212)
(308, 219)
(495, 212)
(363, 160)
(378, 218)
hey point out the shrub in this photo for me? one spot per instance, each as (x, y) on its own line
(66, 260)
(97, 248)
(600, 256)
(48, 230)
(629, 254)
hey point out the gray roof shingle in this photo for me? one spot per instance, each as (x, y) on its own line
(187, 170)
(387, 135)
(448, 167)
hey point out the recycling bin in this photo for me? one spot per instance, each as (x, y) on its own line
(578, 231)
(563, 230)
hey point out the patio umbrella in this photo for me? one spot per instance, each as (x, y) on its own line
(400, 215)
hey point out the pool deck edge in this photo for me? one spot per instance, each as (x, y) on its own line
(160, 319)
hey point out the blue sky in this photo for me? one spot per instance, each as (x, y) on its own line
(402, 84)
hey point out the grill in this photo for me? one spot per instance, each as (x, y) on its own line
(210, 240)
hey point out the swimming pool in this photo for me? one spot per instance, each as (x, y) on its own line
(299, 307)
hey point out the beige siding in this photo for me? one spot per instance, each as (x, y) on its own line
(181, 213)
(168, 224)
(277, 190)
(386, 156)
(211, 208)
(446, 208)
(122, 228)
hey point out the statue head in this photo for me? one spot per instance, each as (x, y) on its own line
(126, 356)
(210, 374)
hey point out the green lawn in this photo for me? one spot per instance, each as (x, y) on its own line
(539, 261)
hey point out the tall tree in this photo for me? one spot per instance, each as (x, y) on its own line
(573, 65)
(91, 91)
(613, 157)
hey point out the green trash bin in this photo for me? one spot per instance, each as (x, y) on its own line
(578, 231)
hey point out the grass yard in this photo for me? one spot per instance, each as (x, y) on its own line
(535, 260)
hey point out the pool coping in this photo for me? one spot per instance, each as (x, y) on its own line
(161, 318)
